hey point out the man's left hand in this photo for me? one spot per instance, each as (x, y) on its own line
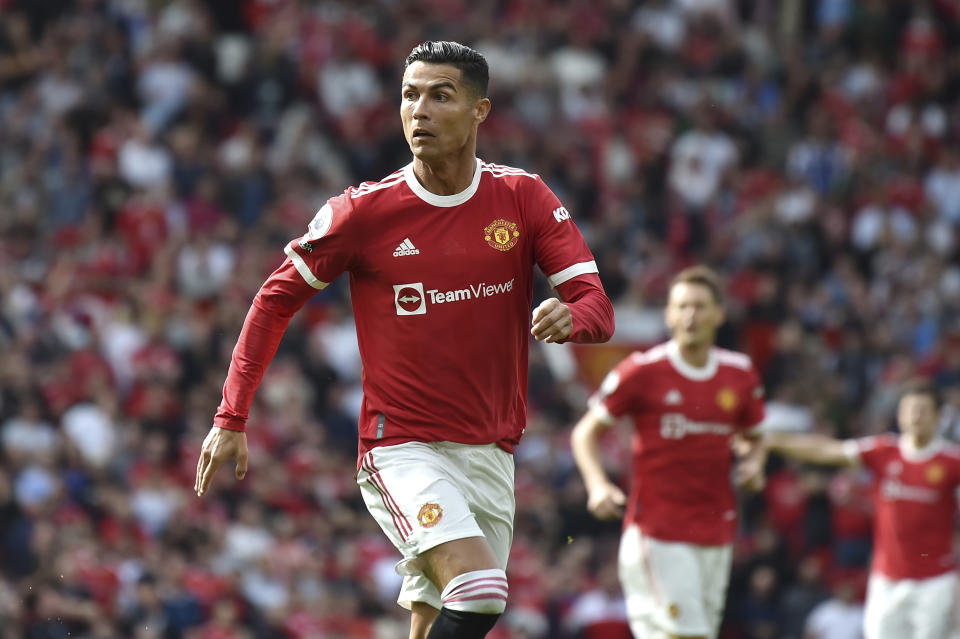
(552, 321)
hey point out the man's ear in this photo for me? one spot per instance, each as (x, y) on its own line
(481, 109)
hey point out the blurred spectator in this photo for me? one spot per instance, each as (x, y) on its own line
(840, 617)
(154, 157)
(801, 597)
(601, 611)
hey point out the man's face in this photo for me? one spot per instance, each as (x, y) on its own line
(693, 314)
(439, 112)
(917, 416)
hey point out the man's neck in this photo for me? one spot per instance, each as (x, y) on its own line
(448, 177)
(695, 355)
(919, 442)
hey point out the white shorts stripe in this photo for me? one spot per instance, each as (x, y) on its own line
(396, 508)
(383, 497)
(403, 524)
(404, 528)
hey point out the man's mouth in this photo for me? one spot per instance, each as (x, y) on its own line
(421, 133)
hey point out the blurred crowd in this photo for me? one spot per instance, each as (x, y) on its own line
(155, 156)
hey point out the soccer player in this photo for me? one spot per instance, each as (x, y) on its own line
(440, 255)
(689, 401)
(913, 578)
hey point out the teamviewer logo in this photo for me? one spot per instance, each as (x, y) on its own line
(409, 299)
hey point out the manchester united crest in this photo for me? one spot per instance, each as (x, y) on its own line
(429, 515)
(727, 399)
(935, 473)
(501, 234)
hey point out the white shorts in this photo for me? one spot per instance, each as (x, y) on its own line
(672, 588)
(426, 494)
(909, 608)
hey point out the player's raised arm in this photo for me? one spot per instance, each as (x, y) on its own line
(814, 449)
(604, 498)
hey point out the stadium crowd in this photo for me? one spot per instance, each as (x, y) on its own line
(156, 156)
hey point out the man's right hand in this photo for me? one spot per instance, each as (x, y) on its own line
(219, 446)
(606, 501)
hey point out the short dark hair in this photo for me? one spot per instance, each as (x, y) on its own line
(702, 275)
(473, 66)
(921, 386)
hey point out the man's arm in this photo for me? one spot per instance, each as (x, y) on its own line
(280, 297)
(751, 452)
(585, 316)
(604, 498)
(814, 449)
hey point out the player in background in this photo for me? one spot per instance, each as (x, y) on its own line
(913, 578)
(440, 255)
(689, 401)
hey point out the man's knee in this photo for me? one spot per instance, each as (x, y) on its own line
(472, 603)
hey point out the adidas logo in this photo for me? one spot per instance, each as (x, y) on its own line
(406, 248)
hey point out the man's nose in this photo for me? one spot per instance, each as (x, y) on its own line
(420, 110)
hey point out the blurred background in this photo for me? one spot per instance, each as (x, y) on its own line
(155, 157)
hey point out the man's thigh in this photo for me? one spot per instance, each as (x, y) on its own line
(424, 495)
(885, 614)
(715, 564)
(663, 584)
(488, 473)
(930, 604)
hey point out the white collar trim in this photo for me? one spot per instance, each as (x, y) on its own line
(913, 454)
(697, 374)
(441, 200)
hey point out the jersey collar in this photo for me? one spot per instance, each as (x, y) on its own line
(441, 200)
(913, 454)
(697, 374)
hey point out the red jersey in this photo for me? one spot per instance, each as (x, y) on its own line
(915, 493)
(685, 418)
(441, 288)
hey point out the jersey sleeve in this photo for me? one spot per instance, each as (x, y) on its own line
(329, 247)
(559, 249)
(620, 393)
(868, 451)
(752, 413)
(280, 297)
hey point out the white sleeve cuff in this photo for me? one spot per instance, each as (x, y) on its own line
(600, 411)
(851, 448)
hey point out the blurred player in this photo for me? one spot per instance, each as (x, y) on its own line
(688, 400)
(440, 255)
(913, 579)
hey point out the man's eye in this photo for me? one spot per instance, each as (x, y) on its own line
(442, 97)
